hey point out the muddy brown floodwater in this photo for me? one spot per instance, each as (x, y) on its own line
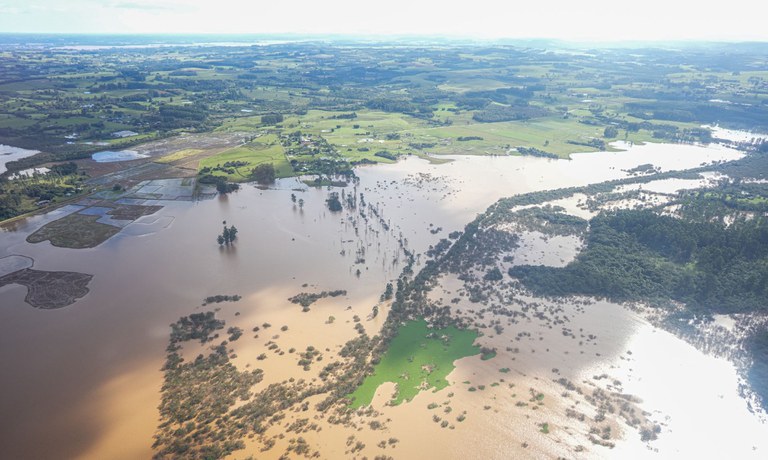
(84, 381)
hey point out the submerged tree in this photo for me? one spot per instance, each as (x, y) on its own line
(334, 204)
(387, 295)
(224, 187)
(227, 236)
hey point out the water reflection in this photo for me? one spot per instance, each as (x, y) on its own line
(9, 153)
(696, 394)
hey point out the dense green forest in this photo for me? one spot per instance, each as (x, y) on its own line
(641, 255)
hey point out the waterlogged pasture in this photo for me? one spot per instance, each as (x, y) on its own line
(419, 358)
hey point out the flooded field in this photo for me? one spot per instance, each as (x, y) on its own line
(86, 378)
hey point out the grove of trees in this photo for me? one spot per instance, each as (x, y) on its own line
(264, 173)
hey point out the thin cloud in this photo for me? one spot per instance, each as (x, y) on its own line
(596, 20)
(150, 6)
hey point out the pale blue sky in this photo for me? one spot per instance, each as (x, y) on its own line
(565, 19)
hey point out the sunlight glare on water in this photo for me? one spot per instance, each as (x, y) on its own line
(694, 396)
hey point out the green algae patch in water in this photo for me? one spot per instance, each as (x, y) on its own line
(419, 358)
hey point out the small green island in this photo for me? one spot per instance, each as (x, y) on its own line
(418, 358)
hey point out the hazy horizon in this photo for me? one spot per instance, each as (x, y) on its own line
(141, 39)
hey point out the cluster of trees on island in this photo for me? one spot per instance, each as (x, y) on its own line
(534, 152)
(227, 236)
(333, 202)
(263, 174)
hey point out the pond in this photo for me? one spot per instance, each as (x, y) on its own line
(110, 156)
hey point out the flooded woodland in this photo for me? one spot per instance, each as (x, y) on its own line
(89, 375)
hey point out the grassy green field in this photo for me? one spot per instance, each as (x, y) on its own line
(549, 134)
(241, 124)
(555, 135)
(179, 155)
(265, 149)
(417, 358)
(355, 138)
(369, 131)
(373, 131)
